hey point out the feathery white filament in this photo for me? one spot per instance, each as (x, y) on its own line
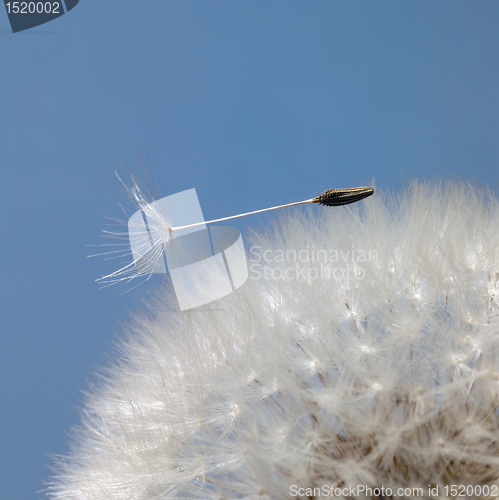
(158, 233)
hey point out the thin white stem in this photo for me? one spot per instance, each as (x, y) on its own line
(241, 215)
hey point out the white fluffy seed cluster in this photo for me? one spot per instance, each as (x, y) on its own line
(384, 376)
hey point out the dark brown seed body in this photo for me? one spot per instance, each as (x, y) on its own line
(336, 197)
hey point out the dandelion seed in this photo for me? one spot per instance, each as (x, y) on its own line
(157, 234)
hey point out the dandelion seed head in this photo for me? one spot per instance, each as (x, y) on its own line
(389, 379)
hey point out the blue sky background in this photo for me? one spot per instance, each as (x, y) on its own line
(253, 103)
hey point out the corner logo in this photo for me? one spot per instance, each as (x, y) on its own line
(204, 264)
(26, 15)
